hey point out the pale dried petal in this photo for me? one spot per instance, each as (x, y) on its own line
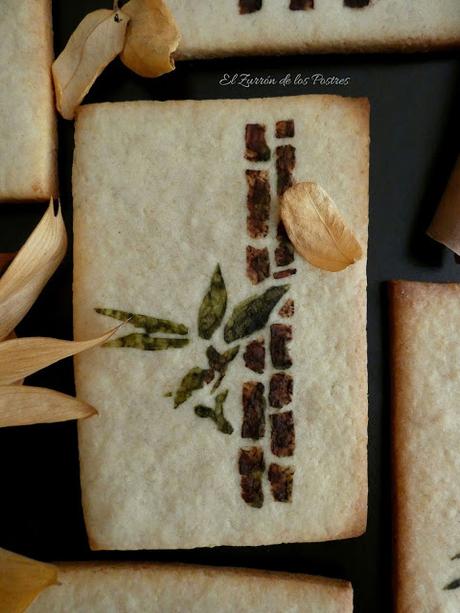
(98, 39)
(21, 580)
(9, 337)
(316, 228)
(24, 405)
(22, 357)
(151, 38)
(30, 270)
(445, 227)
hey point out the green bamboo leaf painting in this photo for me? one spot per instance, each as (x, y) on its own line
(147, 343)
(216, 414)
(195, 379)
(150, 324)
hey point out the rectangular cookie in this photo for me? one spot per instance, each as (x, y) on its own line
(426, 449)
(103, 587)
(28, 166)
(237, 434)
(255, 27)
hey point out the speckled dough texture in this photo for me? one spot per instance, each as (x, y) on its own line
(384, 25)
(153, 588)
(160, 200)
(426, 444)
(28, 143)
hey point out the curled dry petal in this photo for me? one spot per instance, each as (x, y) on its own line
(22, 357)
(21, 580)
(316, 228)
(98, 39)
(445, 227)
(30, 270)
(151, 38)
(24, 405)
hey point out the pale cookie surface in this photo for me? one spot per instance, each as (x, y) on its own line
(152, 588)
(426, 445)
(28, 166)
(327, 27)
(160, 199)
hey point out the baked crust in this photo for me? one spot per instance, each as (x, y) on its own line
(28, 147)
(179, 587)
(424, 333)
(384, 26)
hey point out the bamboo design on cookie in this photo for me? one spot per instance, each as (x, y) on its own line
(281, 481)
(253, 6)
(455, 584)
(254, 403)
(301, 5)
(247, 317)
(356, 4)
(150, 325)
(251, 466)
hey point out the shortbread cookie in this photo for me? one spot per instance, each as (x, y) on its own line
(426, 445)
(154, 588)
(233, 404)
(254, 27)
(28, 167)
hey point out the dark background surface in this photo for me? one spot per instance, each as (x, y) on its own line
(415, 134)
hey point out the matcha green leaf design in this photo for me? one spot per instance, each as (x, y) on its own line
(216, 414)
(212, 309)
(194, 380)
(220, 362)
(252, 314)
(147, 323)
(453, 585)
(247, 317)
(147, 343)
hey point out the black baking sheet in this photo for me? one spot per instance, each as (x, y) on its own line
(415, 136)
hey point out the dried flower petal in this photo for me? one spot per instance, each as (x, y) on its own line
(21, 580)
(316, 228)
(30, 270)
(21, 357)
(98, 39)
(151, 38)
(24, 405)
(445, 227)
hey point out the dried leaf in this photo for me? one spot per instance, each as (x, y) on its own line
(151, 38)
(316, 228)
(445, 227)
(98, 39)
(252, 314)
(21, 580)
(212, 309)
(21, 357)
(24, 405)
(30, 270)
